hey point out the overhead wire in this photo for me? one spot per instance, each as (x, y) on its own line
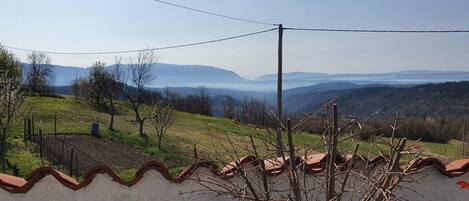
(137, 50)
(215, 14)
(237, 36)
(375, 30)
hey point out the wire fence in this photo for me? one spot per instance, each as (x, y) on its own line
(55, 149)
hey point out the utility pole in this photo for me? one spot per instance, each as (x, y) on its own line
(279, 91)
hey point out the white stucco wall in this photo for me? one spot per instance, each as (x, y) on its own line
(429, 184)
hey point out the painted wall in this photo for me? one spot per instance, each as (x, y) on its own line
(427, 184)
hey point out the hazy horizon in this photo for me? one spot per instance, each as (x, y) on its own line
(274, 73)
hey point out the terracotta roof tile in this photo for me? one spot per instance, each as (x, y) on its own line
(457, 165)
(11, 181)
(314, 164)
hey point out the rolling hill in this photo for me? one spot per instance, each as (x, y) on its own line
(189, 130)
(443, 99)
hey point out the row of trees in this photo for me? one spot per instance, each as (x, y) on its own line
(436, 129)
(199, 102)
(129, 83)
(107, 84)
(249, 111)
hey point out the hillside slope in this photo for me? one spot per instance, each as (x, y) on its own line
(445, 99)
(210, 135)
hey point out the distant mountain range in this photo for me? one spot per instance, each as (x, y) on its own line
(192, 76)
(406, 91)
(298, 79)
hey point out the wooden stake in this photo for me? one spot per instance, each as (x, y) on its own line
(195, 152)
(25, 129)
(40, 146)
(291, 149)
(331, 153)
(71, 162)
(55, 124)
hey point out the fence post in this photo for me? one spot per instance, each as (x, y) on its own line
(30, 123)
(195, 153)
(33, 125)
(71, 162)
(62, 152)
(40, 142)
(57, 149)
(76, 166)
(55, 124)
(24, 129)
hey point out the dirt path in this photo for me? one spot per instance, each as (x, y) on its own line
(89, 152)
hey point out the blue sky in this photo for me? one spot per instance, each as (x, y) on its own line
(104, 25)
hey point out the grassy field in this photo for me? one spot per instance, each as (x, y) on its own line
(210, 135)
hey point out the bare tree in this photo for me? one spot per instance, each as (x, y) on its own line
(95, 89)
(11, 96)
(203, 104)
(254, 112)
(229, 109)
(40, 74)
(75, 86)
(140, 76)
(103, 86)
(163, 118)
(112, 85)
(349, 180)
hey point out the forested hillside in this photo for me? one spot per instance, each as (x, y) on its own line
(450, 99)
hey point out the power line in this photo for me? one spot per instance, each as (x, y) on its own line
(216, 14)
(137, 50)
(375, 30)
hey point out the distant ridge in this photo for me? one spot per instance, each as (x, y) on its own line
(441, 100)
(192, 76)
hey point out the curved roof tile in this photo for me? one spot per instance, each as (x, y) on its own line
(312, 164)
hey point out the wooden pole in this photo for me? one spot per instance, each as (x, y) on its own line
(76, 166)
(40, 146)
(279, 89)
(25, 131)
(55, 124)
(33, 125)
(291, 149)
(71, 162)
(331, 154)
(195, 153)
(29, 129)
(62, 161)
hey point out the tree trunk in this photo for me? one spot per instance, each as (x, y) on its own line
(111, 124)
(2, 154)
(159, 143)
(140, 130)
